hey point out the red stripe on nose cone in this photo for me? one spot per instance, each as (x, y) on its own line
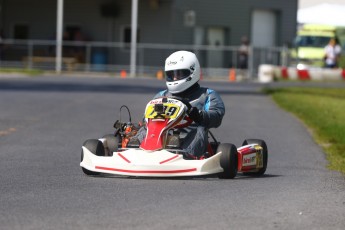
(123, 157)
(172, 158)
(147, 171)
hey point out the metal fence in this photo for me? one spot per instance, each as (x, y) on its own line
(111, 57)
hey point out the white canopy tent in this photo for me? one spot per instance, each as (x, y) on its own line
(59, 34)
(326, 14)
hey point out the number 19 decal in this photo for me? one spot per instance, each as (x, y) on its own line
(170, 111)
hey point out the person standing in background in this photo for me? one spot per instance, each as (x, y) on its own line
(332, 54)
(243, 53)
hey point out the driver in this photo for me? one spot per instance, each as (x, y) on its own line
(182, 70)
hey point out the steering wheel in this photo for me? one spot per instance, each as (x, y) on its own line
(183, 100)
(186, 118)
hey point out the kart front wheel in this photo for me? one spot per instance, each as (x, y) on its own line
(85, 171)
(265, 156)
(89, 173)
(96, 147)
(228, 160)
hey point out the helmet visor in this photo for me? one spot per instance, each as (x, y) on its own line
(175, 75)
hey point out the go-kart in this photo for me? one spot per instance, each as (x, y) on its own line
(160, 153)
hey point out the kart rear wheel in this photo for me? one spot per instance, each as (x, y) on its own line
(265, 156)
(228, 160)
(112, 143)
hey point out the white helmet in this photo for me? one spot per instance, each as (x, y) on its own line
(182, 70)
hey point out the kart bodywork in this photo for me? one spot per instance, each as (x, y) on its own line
(155, 156)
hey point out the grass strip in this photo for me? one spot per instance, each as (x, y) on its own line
(323, 111)
(31, 72)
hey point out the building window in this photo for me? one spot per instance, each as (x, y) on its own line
(70, 32)
(127, 35)
(21, 31)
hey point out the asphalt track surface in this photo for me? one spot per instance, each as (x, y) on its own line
(45, 120)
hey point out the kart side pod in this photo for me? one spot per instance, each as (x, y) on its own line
(250, 158)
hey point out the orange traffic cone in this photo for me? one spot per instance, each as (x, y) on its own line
(232, 74)
(123, 74)
(159, 74)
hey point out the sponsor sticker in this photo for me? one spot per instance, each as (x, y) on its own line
(192, 67)
(260, 161)
(172, 63)
(249, 160)
(157, 101)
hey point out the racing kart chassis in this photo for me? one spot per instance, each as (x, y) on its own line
(153, 157)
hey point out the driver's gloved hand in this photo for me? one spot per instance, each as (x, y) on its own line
(195, 114)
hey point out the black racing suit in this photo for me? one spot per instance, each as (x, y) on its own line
(194, 137)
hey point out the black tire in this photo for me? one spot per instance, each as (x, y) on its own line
(85, 171)
(96, 147)
(112, 142)
(228, 160)
(265, 156)
(89, 173)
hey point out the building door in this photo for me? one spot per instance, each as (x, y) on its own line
(263, 31)
(215, 37)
